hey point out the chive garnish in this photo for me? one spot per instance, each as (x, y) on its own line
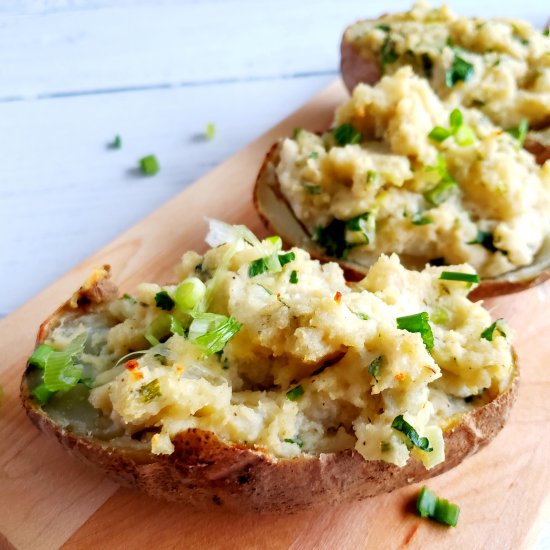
(150, 391)
(214, 339)
(485, 239)
(295, 442)
(313, 189)
(293, 277)
(385, 28)
(489, 332)
(421, 219)
(295, 393)
(149, 165)
(257, 267)
(520, 133)
(164, 301)
(429, 505)
(401, 425)
(388, 55)
(462, 133)
(374, 368)
(286, 258)
(314, 155)
(419, 322)
(365, 224)
(459, 70)
(346, 134)
(116, 143)
(457, 276)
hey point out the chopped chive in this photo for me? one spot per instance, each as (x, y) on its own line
(374, 368)
(296, 133)
(295, 393)
(401, 425)
(455, 119)
(388, 55)
(40, 356)
(420, 219)
(485, 239)
(116, 143)
(419, 322)
(149, 165)
(362, 316)
(439, 315)
(189, 293)
(373, 177)
(431, 506)
(257, 267)
(365, 225)
(385, 28)
(332, 238)
(346, 134)
(150, 391)
(293, 277)
(546, 32)
(460, 70)
(520, 133)
(286, 258)
(439, 134)
(457, 276)
(313, 189)
(314, 155)
(295, 442)
(210, 131)
(214, 339)
(441, 192)
(489, 332)
(164, 301)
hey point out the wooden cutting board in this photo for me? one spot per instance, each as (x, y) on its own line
(48, 499)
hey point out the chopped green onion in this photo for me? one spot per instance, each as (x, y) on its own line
(439, 315)
(431, 506)
(295, 393)
(418, 323)
(455, 119)
(116, 143)
(126, 296)
(459, 70)
(210, 131)
(296, 133)
(88, 382)
(295, 442)
(420, 219)
(363, 227)
(401, 425)
(489, 332)
(164, 301)
(60, 371)
(465, 136)
(441, 192)
(374, 368)
(42, 394)
(257, 267)
(388, 55)
(293, 277)
(189, 293)
(373, 177)
(161, 327)
(346, 134)
(40, 356)
(457, 276)
(362, 316)
(485, 239)
(266, 289)
(385, 28)
(520, 133)
(286, 258)
(332, 238)
(149, 165)
(439, 134)
(314, 155)
(546, 32)
(313, 189)
(150, 391)
(211, 332)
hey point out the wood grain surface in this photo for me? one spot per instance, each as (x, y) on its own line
(48, 500)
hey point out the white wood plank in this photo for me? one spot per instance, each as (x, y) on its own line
(80, 47)
(63, 194)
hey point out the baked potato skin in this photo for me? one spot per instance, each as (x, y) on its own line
(207, 473)
(267, 179)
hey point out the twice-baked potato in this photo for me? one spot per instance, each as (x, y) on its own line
(263, 381)
(499, 66)
(403, 172)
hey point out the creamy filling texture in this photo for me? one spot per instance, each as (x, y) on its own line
(500, 66)
(316, 365)
(417, 177)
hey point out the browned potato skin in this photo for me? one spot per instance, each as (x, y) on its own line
(486, 289)
(355, 69)
(207, 473)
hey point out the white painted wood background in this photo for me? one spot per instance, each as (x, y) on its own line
(73, 74)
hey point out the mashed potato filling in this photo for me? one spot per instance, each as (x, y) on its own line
(404, 172)
(500, 66)
(310, 364)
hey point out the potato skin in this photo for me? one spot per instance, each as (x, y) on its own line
(207, 473)
(267, 179)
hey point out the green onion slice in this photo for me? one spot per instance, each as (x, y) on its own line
(520, 133)
(293, 277)
(485, 239)
(40, 356)
(295, 393)
(162, 326)
(211, 331)
(150, 390)
(439, 134)
(189, 293)
(295, 441)
(457, 276)
(418, 323)
(421, 219)
(164, 301)
(431, 506)
(460, 70)
(401, 425)
(42, 394)
(362, 226)
(441, 192)
(374, 368)
(346, 134)
(149, 165)
(489, 332)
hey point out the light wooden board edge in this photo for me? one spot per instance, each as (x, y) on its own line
(48, 499)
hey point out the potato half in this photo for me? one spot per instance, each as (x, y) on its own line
(279, 218)
(209, 473)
